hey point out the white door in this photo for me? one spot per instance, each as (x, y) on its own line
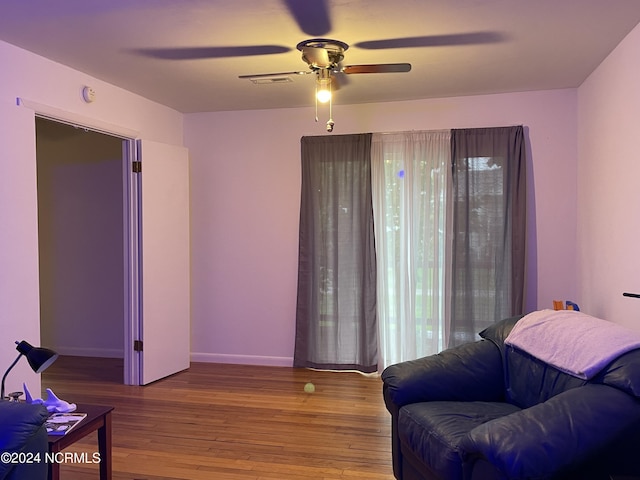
(164, 326)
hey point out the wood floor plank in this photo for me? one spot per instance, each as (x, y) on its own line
(232, 422)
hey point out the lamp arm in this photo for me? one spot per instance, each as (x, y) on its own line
(5, 376)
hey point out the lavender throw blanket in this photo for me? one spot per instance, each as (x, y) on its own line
(571, 341)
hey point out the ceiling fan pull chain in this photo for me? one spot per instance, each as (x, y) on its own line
(316, 97)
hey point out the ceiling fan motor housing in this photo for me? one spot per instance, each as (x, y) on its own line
(322, 53)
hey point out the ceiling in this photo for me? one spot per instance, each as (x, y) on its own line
(456, 47)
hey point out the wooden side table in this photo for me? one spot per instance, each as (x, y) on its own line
(98, 418)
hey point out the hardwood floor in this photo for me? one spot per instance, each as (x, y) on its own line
(232, 422)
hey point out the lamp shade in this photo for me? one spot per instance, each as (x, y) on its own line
(39, 358)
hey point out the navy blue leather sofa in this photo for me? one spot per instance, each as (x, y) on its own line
(485, 410)
(23, 441)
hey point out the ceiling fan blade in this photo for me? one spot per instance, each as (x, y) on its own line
(196, 53)
(472, 38)
(377, 68)
(339, 80)
(282, 74)
(312, 16)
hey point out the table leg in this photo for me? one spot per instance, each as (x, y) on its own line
(54, 471)
(104, 448)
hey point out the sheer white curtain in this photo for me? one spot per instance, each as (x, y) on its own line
(410, 174)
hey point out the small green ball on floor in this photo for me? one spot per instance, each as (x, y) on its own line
(309, 387)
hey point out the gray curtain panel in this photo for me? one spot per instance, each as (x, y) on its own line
(489, 221)
(336, 325)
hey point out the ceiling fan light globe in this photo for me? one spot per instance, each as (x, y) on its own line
(323, 96)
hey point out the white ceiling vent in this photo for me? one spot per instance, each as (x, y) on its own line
(271, 80)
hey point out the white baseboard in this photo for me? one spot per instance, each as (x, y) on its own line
(90, 352)
(242, 359)
(195, 357)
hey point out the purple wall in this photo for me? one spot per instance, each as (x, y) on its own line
(80, 209)
(608, 191)
(246, 195)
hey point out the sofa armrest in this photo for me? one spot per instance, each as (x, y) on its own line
(469, 372)
(554, 436)
(22, 431)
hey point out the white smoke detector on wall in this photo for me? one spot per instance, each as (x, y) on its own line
(88, 94)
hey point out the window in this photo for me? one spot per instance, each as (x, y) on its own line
(410, 174)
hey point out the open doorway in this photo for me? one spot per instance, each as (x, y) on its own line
(81, 239)
(99, 217)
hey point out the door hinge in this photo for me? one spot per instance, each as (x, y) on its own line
(136, 167)
(137, 345)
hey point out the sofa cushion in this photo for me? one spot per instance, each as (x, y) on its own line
(528, 381)
(531, 381)
(433, 430)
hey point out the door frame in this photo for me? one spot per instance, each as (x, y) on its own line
(131, 224)
(132, 234)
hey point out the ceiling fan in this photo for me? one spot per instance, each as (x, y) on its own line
(326, 54)
(324, 58)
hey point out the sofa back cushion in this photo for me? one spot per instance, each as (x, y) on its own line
(573, 342)
(528, 381)
(434, 431)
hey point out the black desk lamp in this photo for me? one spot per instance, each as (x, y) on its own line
(39, 358)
